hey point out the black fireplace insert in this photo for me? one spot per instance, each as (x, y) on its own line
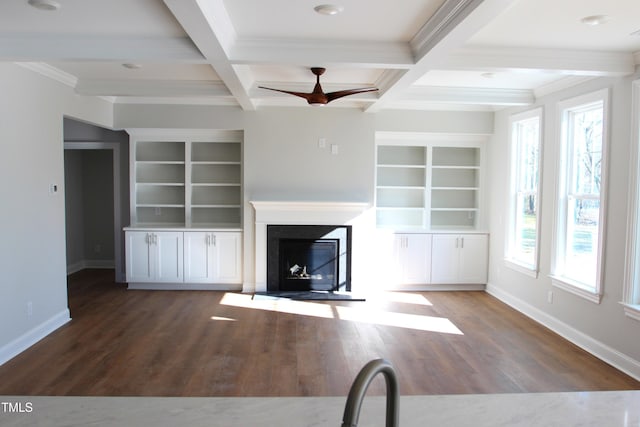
(308, 258)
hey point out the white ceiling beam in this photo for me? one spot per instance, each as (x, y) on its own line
(448, 29)
(561, 61)
(470, 95)
(61, 47)
(209, 26)
(322, 53)
(150, 88)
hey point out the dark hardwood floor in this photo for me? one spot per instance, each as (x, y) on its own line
(199, 343)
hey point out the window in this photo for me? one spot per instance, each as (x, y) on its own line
(523, 233)
(581, 190)
(632, 277)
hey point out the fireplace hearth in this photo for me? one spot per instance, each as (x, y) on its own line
(308, 258)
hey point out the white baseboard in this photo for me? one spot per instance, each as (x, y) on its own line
(184, 287)
(31, 337)
(602, 351)
(90, 263)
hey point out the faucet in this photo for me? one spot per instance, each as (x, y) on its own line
(360, 386)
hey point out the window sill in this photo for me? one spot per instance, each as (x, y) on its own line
(521, 268)
(575, 288)
(632, 310)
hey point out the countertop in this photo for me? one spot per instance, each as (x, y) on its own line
(610, 409)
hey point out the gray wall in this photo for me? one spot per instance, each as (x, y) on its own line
(32, 248)
(602, 328)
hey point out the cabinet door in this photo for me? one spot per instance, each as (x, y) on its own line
(444, 258)
(198, 257)
(169, 256)
(417, 259)
(139, 262)
(410, 260)
(473, 258)
(227, 257)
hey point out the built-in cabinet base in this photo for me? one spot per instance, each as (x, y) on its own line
(437, 261)
(158, 258)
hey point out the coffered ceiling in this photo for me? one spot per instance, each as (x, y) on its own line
(421, 54)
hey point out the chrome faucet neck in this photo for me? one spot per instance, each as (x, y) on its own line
(359, 389)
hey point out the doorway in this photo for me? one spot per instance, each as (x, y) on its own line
(92, 206)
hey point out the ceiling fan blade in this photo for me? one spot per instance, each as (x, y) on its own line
(300, 94)
(341, 93)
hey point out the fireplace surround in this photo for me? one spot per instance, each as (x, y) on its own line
(300, 213)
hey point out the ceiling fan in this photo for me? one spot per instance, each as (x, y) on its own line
(318, 97)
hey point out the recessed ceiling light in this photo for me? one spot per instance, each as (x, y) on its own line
(132, 66)
(328, 9)
(49, 5)
(595, 20)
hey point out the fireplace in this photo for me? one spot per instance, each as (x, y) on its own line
(308, 258)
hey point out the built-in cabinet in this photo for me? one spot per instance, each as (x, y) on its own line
(422, 260)
(154, 256)
(412, 258)
(212, 257)
(459, 258)
(186, 208)
(428, 192)
(183, 257)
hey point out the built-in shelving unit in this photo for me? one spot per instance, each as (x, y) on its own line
(428, 181)
(186, 178)
(401, 185)
(454, 186)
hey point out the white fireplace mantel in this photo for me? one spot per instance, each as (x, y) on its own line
(296, 213)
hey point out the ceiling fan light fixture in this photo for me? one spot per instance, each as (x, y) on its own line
(328, 9)
(48, 5)
(132, 66)
(595, 20)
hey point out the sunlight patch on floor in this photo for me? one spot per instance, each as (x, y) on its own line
(363, 313)
(226, 319)
(282, 305)
(402, 297)
(400, 320)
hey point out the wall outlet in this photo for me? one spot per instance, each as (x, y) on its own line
(53, 188)
(322, 142)
(334, 148)
(550, 297)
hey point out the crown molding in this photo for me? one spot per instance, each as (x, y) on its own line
(561, 84)
(448, 16)
(50, 72)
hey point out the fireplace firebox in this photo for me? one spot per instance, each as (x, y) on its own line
(308, 258)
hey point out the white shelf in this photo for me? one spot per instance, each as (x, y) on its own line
(186, 177)
(430, 184)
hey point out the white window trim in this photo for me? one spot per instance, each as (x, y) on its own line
(558, 280)
(632, 257)
(529, 270)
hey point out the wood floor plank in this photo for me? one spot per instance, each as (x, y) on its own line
(202, 343)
